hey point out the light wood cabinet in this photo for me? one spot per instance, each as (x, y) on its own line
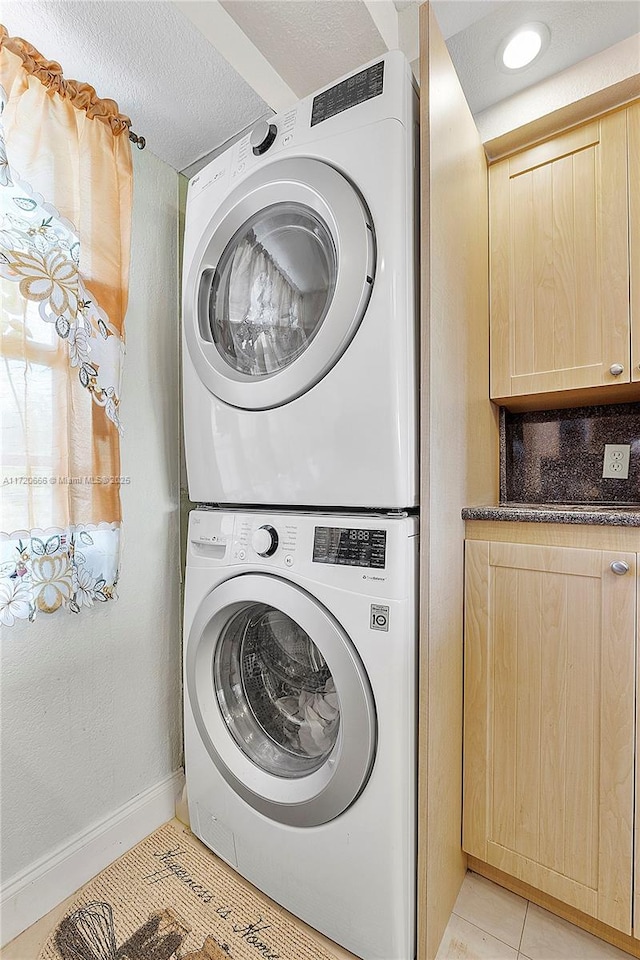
(561, 318)
(633, 119)
(549, 720)
(636, 906)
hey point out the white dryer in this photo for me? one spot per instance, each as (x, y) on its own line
(299, 304)
(300, 714)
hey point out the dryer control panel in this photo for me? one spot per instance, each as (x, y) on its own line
(348, 93)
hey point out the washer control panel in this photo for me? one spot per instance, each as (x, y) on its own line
(372, 555)
(350, 546)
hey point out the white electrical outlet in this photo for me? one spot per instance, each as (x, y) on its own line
(616, 461)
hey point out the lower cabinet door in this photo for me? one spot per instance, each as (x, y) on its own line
(549, 721)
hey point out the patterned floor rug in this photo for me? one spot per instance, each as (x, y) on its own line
(170, 898)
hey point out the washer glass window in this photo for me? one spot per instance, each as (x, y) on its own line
(270, 292)
(276, 692)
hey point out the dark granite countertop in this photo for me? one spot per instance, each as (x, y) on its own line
(617, 515)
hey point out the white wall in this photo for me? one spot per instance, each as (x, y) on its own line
(91, 702)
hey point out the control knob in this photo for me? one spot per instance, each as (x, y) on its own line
(265, 541)
(262, 136)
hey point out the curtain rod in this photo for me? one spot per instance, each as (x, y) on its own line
(140, 142)
(82, 95)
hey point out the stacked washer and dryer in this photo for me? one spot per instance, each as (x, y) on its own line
(300, 417)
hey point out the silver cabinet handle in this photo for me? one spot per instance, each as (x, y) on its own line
(619, 567)
(616, 369)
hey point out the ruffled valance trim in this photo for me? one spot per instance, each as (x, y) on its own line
(82, 95)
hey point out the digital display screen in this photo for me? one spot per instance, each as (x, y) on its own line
(363, 86)
(350, 546)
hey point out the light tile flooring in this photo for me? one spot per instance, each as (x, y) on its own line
(487, 923)
(490, 923)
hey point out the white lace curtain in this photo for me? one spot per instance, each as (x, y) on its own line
(65, 208)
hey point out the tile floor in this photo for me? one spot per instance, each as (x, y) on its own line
(487, 923)
(490, 923)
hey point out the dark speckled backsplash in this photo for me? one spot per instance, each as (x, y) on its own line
(555, 456)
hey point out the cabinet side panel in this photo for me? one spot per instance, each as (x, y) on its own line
(455, 413)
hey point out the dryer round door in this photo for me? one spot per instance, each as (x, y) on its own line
(281, 699)
(279, 283)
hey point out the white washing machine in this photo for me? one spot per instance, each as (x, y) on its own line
(300, 714)
(299, 306)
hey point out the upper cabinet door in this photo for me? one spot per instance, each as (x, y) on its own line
(633, 119)
(560, 263)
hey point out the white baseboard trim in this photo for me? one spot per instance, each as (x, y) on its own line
(33, 893)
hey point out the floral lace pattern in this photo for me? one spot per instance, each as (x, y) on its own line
(40, 251)
(53, 569)
(75, 567)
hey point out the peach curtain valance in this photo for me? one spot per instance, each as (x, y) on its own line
(49, 73)
(65, 222)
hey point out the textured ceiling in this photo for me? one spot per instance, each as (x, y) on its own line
(186, 99)
(579, 29)
(456, 15)
(309, 42)
(180, 93)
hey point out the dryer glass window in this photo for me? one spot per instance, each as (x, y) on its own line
(267, 298)
(276, 692)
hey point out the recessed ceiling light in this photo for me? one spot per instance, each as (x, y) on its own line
(522, 47)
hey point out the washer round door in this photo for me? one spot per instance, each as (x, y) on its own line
(281, 699)
(279, 283)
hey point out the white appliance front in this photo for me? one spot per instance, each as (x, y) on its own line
(300, 714)
(299, 306)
